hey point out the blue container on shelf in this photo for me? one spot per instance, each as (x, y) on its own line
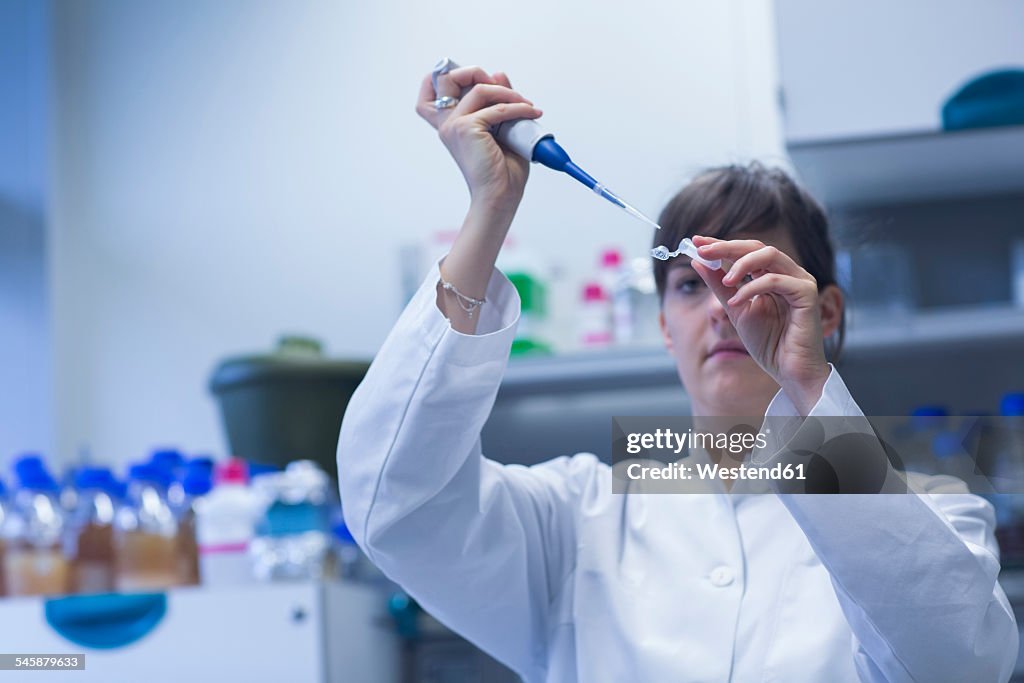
(993, 99)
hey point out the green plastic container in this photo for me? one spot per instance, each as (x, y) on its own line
(286, 405)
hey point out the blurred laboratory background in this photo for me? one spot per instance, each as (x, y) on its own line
(211, 213)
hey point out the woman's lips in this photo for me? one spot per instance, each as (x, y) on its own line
(726, 354)
(727, 350)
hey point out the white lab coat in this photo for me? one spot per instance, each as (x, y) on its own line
(548, 571)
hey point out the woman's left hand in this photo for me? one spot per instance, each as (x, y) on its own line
(776, 313)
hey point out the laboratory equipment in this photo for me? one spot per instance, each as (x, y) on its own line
(34, 560)
(287, 404)
(294, 536)
(879, 279)
(529, 140)
(3, 535)
(614, 277)
(533, 313)
(168, 459)
(1008, 478)
(686, 248)
(92, 566)
(196, 482)
(643, 302)
(225, 522)
(595, 316)
(146, 533)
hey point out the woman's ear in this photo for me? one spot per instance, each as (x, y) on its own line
(831, 303)
(665, 336)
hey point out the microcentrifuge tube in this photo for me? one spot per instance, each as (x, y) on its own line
(686, 248)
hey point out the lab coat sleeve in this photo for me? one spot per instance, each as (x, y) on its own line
(915, 573)
(483, 547)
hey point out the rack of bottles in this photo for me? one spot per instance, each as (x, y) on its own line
(170, 522)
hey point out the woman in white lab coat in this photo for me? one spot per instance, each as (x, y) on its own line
(562, 580)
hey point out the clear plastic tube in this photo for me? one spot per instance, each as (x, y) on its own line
(618, 201)
(686, 248)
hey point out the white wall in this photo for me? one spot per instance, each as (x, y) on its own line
(230, 170)
(25, 410)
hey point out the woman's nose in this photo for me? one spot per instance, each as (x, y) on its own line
(716, 312)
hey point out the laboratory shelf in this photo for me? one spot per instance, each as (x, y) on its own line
(910, 167)
(589, 370)
(944, 331)
(949, 330)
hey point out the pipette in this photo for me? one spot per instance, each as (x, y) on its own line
(526, 138)
(686, 248)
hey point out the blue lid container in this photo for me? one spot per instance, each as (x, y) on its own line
(198, 479)
(1012, 404)
(98, 478)
(148, 472)
(992, 99)
(928, 417)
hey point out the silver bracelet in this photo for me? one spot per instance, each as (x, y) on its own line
(466, 303)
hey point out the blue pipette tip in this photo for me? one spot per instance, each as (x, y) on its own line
(549, 153)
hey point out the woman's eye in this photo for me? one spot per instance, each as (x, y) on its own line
(689, 285)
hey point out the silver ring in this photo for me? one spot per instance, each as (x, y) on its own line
(446, 102)
(441, 68)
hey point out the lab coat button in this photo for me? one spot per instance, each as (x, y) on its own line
(722, 576)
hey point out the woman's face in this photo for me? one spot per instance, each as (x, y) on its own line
(720, 377)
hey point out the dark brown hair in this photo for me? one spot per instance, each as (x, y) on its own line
(727, 200)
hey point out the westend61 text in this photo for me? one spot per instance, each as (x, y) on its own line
(709, 471)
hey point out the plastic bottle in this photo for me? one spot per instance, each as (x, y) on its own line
(615, 279)
(171, 463)
(68, 494)
(644, 304)
(1008, 476)
(293, 539)
(3, 535)
(92, 527)
(196, 482)
(532, 314)
(34, 559)
(595, 316)
(145, 533)
(225, 518)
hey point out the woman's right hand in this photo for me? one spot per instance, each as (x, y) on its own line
(496, 176)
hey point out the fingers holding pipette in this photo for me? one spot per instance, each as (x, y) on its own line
(450, 84)
(484, 95)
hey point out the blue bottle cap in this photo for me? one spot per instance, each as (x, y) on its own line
(1012, 404)
(37, 480)
(198, 479)
(97, 478)
(928, 417)
(169, 459)
(201, 461)
(30, 462)
(147, 471)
